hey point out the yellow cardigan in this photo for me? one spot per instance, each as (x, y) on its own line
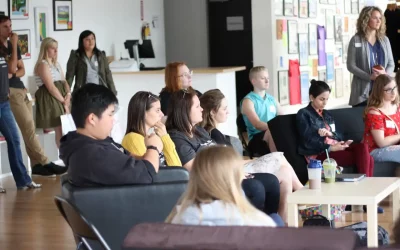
(134, 143)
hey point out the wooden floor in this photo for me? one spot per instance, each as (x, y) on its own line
(30, 220)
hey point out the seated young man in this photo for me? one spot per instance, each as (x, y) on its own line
(258, 108)
(93, 158)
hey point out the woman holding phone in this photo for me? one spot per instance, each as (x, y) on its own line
(318, 133)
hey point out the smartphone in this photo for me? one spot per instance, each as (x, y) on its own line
(348, 142)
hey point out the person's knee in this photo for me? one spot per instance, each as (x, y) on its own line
(255, 192)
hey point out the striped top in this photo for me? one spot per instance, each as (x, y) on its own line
(55, 73)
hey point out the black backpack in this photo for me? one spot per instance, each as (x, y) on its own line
(361, 230)
(318, 221)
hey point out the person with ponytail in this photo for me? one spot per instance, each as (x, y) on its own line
(318, 133)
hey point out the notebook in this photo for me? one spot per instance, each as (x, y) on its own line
(348, 177)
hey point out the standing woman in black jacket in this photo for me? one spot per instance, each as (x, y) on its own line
(88, 64)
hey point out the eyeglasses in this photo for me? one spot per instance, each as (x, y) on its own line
(390, 91)
(186, 74)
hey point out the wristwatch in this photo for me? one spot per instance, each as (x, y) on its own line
(154, 148)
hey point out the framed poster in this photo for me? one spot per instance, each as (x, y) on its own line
(41, 24)
(330, 67)
(24, 43)
(278, 5)
(303, 49)
(312, 8)
(322, 75)
(18, 9)
(283, 87)
(338, 29)
(347, 7)
(338, 55)
(354, 7)
(345, 46)
(288, 8)
(62, 15)
(312, 39)
(292, 37)
(303, 8)
(339, 83)
(304, 86)
(329, 24)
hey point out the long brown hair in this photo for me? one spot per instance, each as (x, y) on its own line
(363, 20)
(210, 101)
(178, 117)
(375, 99)
(138, 105)
(217, 174)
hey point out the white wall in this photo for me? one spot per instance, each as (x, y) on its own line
(113, 22)
(186, 32)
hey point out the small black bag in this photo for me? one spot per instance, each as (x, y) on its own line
(318, 221)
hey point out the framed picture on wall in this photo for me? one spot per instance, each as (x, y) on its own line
(18, 9)
(354, 6)
(62, 15)
(303, 49)
(347, 7)
(283, 87)
(345, 47)
(24, 43)
(292, 37)
(304, 86)
(322, 75)
(339, 82)
(312, 8)
(278, 5)
(303, 8)
(288, 8)
(41, 24)
(329, 24)
(330, 67)
(312, 39)
(338, 29)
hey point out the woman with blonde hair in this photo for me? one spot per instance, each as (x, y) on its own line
(382, 121)
(369, 54)
(54, 95)
(177, 76)
(214, 196)
(215, 112)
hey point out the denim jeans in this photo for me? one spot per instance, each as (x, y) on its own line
(9, 130)
(389, 153)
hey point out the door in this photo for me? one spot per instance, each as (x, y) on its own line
(230, 39)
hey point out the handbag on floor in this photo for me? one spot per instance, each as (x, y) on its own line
(361, 230)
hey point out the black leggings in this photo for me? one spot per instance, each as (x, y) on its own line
(263, 192)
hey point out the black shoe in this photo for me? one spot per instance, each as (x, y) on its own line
(56, 169)
(40, 170)
(379, 210)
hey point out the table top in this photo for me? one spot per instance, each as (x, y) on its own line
(210, 70)
(369, 190)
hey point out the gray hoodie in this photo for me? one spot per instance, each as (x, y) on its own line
(219, 213)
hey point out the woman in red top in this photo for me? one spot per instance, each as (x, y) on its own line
(382, 120)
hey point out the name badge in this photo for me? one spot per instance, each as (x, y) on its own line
(29, 96)
(390, 124)
(272, 109)
(357, 45)
(96, 64)
(333, 127)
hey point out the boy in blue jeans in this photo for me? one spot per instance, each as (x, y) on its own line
(258, 107)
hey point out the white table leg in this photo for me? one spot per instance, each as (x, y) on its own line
(396, 204)
(326, 211)
(293, 215)
(372, 220)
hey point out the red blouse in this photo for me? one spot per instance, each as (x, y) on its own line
(380, 122)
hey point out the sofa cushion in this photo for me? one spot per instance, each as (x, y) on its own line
(169, 236)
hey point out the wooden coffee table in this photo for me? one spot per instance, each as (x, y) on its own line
(369, 191)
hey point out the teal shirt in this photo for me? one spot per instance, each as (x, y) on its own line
(266, 108)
